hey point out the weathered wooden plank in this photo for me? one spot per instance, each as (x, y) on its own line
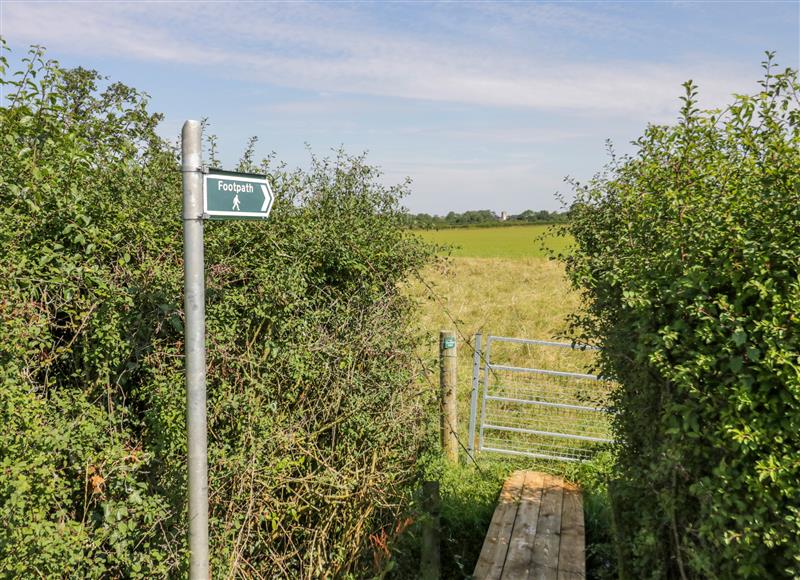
(537, 531)
(495, 546)
(520, 547)
(548, 531)
(572, 553)
(542, 573)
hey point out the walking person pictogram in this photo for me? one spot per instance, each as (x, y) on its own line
(236, 202)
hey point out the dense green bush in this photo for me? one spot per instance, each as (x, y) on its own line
(314, 426)
(688, 256)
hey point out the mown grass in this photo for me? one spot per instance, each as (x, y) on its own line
(510, 294)
(500, 242)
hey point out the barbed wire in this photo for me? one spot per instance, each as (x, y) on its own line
(465, 339)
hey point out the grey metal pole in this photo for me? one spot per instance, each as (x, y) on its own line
(195, 312)
(487, 367)
(473, 401)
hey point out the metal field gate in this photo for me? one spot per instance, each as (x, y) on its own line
(546, 411)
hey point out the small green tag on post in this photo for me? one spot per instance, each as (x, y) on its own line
(449, 342)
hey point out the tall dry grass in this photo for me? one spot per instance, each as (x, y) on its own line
(526, 298)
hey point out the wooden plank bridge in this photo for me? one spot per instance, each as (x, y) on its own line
(536, 532)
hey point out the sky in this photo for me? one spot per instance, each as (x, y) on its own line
(484, 105)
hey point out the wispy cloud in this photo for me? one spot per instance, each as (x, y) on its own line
(336, 48)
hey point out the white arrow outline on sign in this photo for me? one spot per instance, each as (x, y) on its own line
(267, 197)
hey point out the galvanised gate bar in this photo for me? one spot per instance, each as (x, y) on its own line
(537, 412)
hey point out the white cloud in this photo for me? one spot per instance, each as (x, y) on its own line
(339, 49)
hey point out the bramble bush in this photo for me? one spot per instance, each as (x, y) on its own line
(314, 424)
(688, 258)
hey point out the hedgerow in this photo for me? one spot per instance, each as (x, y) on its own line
(688, 258)
(314, 425)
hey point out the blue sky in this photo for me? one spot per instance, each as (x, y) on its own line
(484, 105)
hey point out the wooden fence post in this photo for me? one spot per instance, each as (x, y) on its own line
(448, 380)
(430, 566)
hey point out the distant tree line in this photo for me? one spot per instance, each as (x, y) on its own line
(483, 217)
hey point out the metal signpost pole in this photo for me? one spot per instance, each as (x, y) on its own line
(194, 308)
(211, 194)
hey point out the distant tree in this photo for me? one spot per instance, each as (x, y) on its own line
(481, 217)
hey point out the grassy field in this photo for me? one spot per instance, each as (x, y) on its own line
(499, 282)
(503, 242)
(526, 297)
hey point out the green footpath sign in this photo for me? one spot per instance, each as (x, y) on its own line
(230, 195)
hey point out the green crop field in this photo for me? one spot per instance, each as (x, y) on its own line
(501, 242)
